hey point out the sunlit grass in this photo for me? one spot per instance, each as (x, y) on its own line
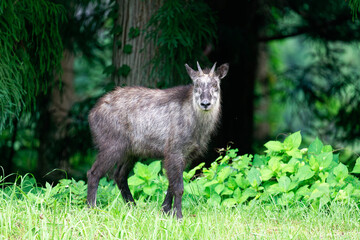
(32, 218)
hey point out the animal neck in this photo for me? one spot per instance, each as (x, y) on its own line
(207, 120)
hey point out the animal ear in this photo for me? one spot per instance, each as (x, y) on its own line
(192, 73)
(222, 70)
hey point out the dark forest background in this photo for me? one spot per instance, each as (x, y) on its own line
(294, 65)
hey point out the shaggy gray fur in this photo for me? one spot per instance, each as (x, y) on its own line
(174, 124)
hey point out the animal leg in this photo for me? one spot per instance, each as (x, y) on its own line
(174, 165)
(166, 206)
(121, 176)
(104, 161)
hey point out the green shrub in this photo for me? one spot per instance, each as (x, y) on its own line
(284, 175)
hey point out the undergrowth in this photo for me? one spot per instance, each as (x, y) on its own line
(288, 192)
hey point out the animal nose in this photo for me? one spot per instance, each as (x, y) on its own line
(205, 104)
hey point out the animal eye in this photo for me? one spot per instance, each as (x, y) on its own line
(214, 85)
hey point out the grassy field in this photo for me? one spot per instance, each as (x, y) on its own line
(30, 217)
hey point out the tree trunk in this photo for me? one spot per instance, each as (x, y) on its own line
(262, 108)
(133, 17)
(54, 118)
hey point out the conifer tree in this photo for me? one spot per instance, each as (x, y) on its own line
(30, 50)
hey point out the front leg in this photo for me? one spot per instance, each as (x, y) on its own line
(166, 206)
(174, 165)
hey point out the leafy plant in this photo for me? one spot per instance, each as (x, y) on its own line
(134, 32)
(127, 49)
(124, 70)
(147, 181)
(285, 175)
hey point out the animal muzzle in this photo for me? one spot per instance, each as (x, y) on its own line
(205, 104)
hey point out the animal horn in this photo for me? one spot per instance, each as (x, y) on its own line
(199, 68)
(212, 70)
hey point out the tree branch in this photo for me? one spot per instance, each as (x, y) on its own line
(306, 29)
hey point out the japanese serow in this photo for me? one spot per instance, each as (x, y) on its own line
(174, 124)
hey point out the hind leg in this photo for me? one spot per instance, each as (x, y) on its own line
(105, 160)
(121, 176)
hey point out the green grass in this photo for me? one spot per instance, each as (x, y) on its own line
(30, 216)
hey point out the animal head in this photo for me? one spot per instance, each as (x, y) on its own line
(207, 85)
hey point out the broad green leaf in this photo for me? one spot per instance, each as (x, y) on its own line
(316, 146)
(357, 166)
(229, 202)
(274, 164)
(219, 188)
(290, 166)
(224, 174)
(274, 146)
(324, 160)
(237, 194)
(242, 181)
(243, 162)
(295, 153)
(142, 170)
(249, 192)
(341, 172)
(214, 199)
(254, 177)
(327, 148)
(293, 141)
(150, 190)
(231, 183)
(313, 162)
(304, 173)
(209, 174)
(320, 191)
(214, 166)
(331, 179)
(155, 167)
(188, 175)
(232, 153)
(135, 181)
(286, 184)
(259, 160)
(274, 189)
(211, 183)
(302, 192)
(225, 159)
(227, 191)
(266, 174)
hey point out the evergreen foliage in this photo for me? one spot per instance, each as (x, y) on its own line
(355, 7)
(180, 31)
(323, 88)
(30, 50)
